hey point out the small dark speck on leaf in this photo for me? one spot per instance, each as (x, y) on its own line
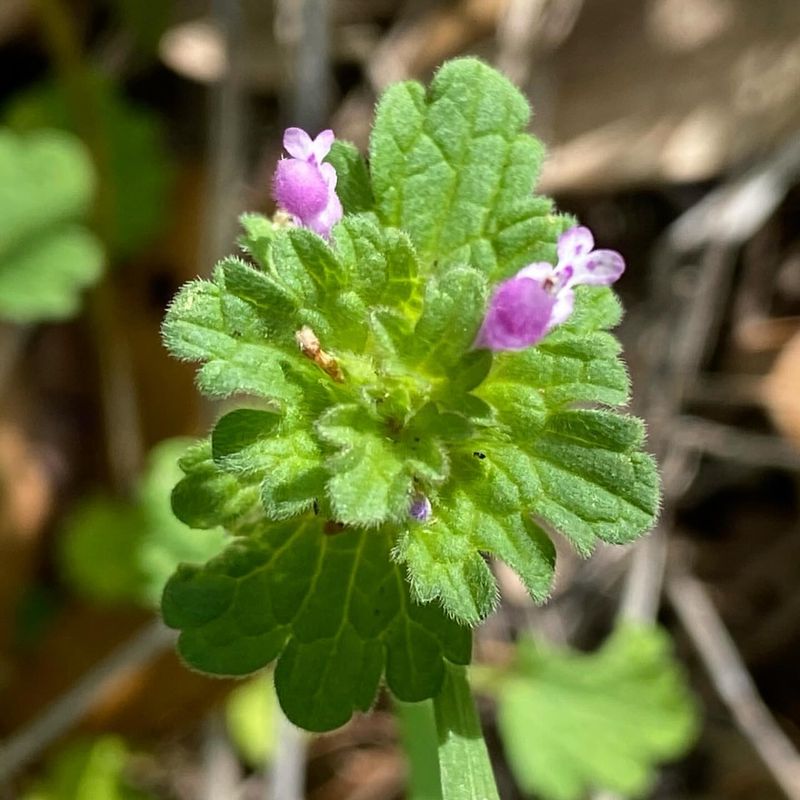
(331, 528)
(479, 455)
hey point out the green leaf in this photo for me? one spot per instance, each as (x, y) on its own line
(353, 184)
(258, 445)
(204, 323)
(259, 289)
(121, 552)
(453, 168)
(331, 607)
(46, 258)
(444, 558)
(572, 722)
(139, 172)
(87, 769)
(381, 264)
(370, 481)
(306, 265)
(595, 482)
(208, 496)
(451, 316)
(251, 714)
(256, 238)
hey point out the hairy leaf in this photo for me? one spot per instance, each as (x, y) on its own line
(332, 608)
(444, 558)
(258, 445)
(353, 184)
(452, 167)
(208, 496)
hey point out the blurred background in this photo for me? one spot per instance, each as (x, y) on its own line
(133, 133)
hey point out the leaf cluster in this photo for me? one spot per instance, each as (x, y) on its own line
(365, 393)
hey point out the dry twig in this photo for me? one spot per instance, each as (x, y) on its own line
(732, 680)
(61, 715)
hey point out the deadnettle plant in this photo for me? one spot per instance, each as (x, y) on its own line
(427, 378)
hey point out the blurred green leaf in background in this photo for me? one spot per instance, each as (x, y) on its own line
(573, 721)
(251, 714)
(47, 254)
(136, 163)
(88, 769)
(123, 552)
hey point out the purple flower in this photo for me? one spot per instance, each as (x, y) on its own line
(306, 187)
(518, 315)
(420, 508)
(540, 296)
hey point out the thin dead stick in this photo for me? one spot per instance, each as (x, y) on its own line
(286, 779)
(744, 447)
(531, 29)
(118, 388)
(716, 648)
(221, 769)
(642, 594)
(60, 716)
(227, 123)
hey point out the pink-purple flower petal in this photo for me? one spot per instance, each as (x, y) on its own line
(518, 315)
(562, 308)
(540, 296)
(420, 508)
(540, 271)
(574, 243)
(304, 186)
(598, 268)
(300, 188)
(297, 143)
(321, 146)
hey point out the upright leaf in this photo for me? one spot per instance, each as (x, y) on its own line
(452, 167)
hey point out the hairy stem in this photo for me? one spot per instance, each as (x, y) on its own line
(466, 771)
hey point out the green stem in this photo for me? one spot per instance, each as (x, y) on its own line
(418, 733)
(466, 771)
